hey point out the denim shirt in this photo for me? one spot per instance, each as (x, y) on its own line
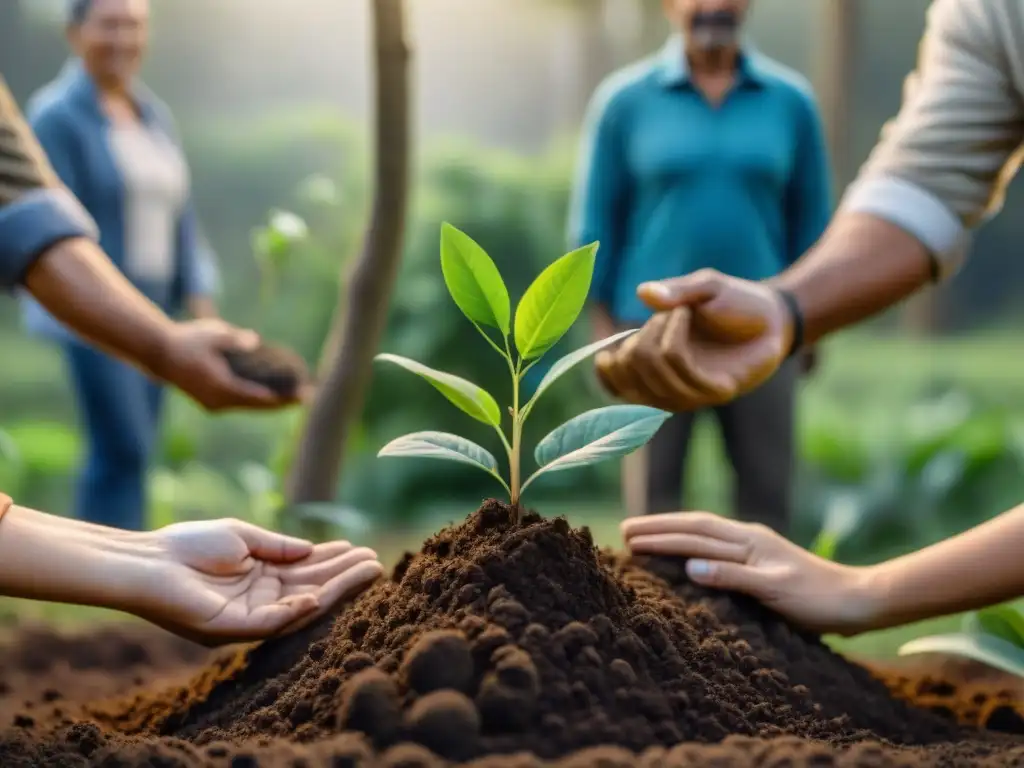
(670, 184)
(76, 135)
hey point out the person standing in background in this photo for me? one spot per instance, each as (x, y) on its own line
(113, 144)
(708, 154)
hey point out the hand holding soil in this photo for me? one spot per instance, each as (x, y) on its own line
(202, 359)
(227, 581)
(714, 338)
(815, 593)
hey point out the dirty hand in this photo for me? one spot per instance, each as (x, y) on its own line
(714, 338)
(225, 581)
(816, 594)
(193, 361)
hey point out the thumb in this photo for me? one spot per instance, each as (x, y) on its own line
(721, 574)
(696, 288)
(230, 338)
(272, 546)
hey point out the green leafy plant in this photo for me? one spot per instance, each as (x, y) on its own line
(549, 307)
(272, 245)
(993, 636)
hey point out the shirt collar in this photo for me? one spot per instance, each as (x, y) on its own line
(82, 86)
(674, 68)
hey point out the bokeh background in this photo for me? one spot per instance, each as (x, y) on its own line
(912, 428)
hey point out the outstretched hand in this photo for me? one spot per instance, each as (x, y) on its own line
(747, 557)
(714, 338)
(227, 581)
(194, 362)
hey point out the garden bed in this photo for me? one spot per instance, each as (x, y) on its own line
(502, 643)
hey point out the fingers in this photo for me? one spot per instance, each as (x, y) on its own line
(272, 618)
(703, 524)
(348, 583)
(735, 577)
(318, 573)
(689, 545)
(681, 291)
(272, 546)
(677, 356)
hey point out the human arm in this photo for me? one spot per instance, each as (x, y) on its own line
(213, 582)
(597, 208)
(48, 246)
(940, 168)
(977, 568)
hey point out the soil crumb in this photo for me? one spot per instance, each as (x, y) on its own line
(509, 642)
(277, 368)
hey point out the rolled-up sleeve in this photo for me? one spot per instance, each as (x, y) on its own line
(36, 209)
(942, 165)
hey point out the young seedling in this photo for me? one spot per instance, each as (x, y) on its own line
(842, 516)
(547, 310)
(992, 636)
(275, 367)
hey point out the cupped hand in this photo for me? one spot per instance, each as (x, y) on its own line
(226, 581)
(811, 592)
(194, 361)
(714, 338)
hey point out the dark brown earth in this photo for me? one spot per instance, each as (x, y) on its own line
(278, 368)
(504, 644)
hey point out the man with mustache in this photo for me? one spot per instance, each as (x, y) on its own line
(708, 155)
(940, 169)
(214, 581)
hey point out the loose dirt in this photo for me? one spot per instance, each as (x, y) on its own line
(278, 368)
(509, 644)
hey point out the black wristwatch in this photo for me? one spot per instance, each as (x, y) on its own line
(797, 320)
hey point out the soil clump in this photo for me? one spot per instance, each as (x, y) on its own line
(517, 643)
(279, 369)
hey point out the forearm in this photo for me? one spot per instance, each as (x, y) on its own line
(861, 266)
(76, 282)
(980, 567)
(73, 564)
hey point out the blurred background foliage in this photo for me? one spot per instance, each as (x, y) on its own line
(910, 431)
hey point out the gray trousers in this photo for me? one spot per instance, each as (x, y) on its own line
(758, 432)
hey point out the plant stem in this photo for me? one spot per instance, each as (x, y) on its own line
(517, 431)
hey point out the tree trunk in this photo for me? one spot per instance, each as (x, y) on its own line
(347, 358)
(836, 54)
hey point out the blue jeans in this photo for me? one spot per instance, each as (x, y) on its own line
(119, 409)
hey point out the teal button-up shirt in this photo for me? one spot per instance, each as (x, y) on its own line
(670, 184)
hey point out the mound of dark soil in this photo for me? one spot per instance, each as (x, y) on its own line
(519, 644)
(277, 368)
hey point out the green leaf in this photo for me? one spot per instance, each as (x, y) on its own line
(825, 545)
(1002, 621)
(473, 280)
(986, 649)
(564, 364)
(553, 302)
(603, 433)
(441, 445)
(465, 394)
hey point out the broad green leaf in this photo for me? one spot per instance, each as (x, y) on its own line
(563, 365)
(1002, 621)
(465, 394)
(441, 445)
(603, 433)
(986, 649)
(553, 302)
(473, 280)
